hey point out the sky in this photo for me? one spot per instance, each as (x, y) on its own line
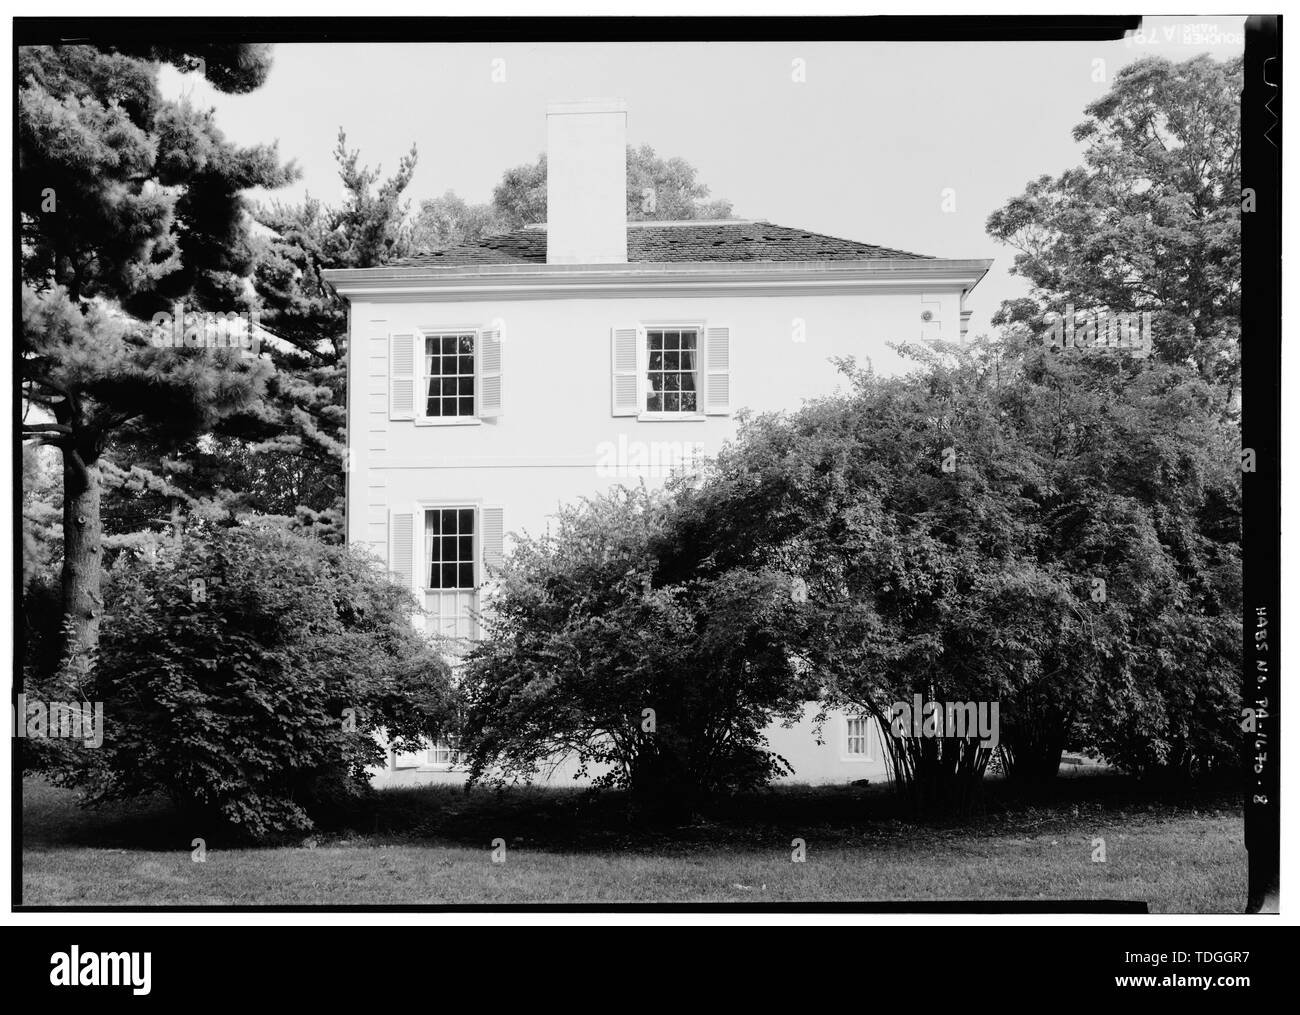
(870, 145)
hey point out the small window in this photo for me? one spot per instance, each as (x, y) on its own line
(449, 548)
(449, 376)
(444, 753)
(857, 738)
(672, 370)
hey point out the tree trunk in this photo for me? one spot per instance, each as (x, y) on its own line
(82, 576)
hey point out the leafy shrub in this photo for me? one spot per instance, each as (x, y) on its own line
(228, 666)
(605, 642)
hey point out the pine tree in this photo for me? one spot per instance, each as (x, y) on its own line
(129, 204)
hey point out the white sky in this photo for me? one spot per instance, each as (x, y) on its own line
(863, 149)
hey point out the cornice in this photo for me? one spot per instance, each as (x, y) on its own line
(677, 279)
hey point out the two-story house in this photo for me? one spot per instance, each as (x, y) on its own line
(490, 383)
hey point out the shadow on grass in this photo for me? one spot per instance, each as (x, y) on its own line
(582, 820)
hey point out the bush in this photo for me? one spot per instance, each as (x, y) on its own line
(606, 641)
(249, 674)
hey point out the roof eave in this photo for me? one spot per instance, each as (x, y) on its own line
(354, 282)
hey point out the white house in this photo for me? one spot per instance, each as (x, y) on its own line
(490, 383)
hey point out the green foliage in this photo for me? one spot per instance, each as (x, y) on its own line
(233, 700)
(520, 199)
(584, 632)
(1151, 221)
(127, 204)
(285, 457)
(979, 583)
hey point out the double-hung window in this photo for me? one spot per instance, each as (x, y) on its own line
(450, 569)
(672, 370)
(857, 745)
(448, 376)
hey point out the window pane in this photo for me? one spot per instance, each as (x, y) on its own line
(466, 548)
(671, 360)
(656, 361)
(449, 345)
(431, 520)
(672, 382)
(654, 403)
(688, 381)
(467, 576)
(448, 576)
(688, 401)
(466, 364)
(688, 340)
(467, 406)
(435, 387)
(467, 344)
(467, 386)
(656, 340)
(688, 360)
(466, 521)
(434, 407)
(447, 548)
(672, 402)
(449, 522)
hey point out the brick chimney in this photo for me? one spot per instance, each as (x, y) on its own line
(586, 182)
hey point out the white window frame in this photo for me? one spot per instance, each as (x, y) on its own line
(452, 754)
(424, 562)
(423, 334)
(848, 755)
(643, 330)
(477, 507)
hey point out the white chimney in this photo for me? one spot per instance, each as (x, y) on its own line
(586, 182)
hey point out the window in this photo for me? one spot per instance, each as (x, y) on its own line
(672, 370)
(444, 753)
(449, 375)
(449, 548)
(857, 738)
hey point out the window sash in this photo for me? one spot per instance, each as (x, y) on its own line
(671, 372)
(450, 558)
(448, 371)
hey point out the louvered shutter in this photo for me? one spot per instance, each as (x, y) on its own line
(401, 376)
(489, 374)
(493, 540)
(623, 357)
(402, 537)
(717, 371)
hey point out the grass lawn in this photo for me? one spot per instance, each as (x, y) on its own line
(432, 845)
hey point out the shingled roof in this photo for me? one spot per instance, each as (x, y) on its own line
(674, 241)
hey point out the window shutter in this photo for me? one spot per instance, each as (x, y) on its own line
(493, 540)
(717, 371)
(402, 535)
(489, 374)
(623, 362)
(401, 377)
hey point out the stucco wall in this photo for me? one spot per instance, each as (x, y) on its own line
(546, 447)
